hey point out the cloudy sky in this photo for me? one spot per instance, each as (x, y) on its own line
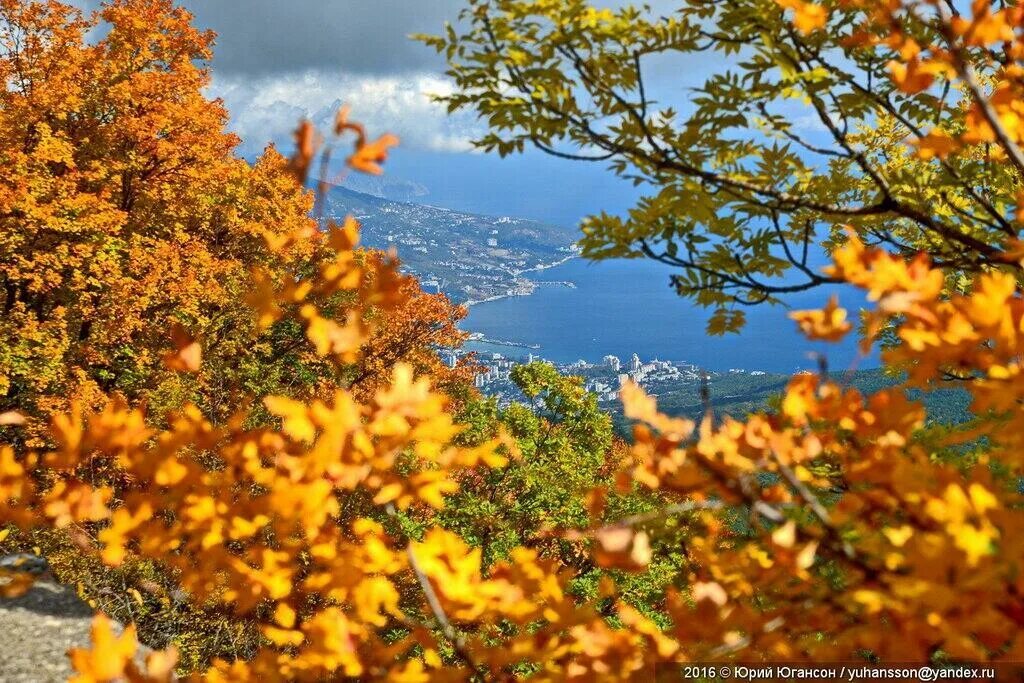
(275, 62)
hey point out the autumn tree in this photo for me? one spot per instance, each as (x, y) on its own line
(129, 232)
(123, 204)
(126, 210)
(800, 127)
(565, 451)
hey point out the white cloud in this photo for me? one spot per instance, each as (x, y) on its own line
(267, 108)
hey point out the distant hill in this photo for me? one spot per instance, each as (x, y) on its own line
(469, 256)
(740, 394)
(386, 187)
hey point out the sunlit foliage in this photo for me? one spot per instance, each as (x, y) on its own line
(795, 120)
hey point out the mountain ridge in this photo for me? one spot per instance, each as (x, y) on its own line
(471, 257)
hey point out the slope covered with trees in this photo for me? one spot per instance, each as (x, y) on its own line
(470, 257)
(739, 394)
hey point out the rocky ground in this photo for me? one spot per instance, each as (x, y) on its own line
(37, 629)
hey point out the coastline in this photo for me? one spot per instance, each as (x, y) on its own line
(545, 266)
(479, 338)
(469, 303)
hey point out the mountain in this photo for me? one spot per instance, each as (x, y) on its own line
(468, 256)
(385, 187)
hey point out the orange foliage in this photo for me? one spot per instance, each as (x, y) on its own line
(927, 551)
(807, 16)
(124, 207)
(980, 47)
(412, 332)
(126, 214)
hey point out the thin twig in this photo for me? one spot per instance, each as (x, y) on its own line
(967, 73)
(812, 501)
(456, 640)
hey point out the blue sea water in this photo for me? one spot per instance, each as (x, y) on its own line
(625, 306)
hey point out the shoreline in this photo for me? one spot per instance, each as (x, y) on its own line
(469, 303)
(545, 266)
(479, 338)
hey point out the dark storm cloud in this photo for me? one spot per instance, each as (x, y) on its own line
(263, 37)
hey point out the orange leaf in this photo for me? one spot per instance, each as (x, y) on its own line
(187, 355)
(368, 157)
(807, 16)
(827, 324)
(306, 144)
(109, 656)
(936, 145)
(16, 584)
(341, 124)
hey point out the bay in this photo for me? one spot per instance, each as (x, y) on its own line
(625, 306)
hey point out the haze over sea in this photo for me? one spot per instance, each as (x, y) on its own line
(622, 307)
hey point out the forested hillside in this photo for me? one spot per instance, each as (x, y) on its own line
(737, 395)
(468, 256)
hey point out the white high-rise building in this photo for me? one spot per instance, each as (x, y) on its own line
(635, 364)
(613, 362)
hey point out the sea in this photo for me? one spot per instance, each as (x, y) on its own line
(624, 306)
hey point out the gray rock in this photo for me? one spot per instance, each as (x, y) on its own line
(38, 629)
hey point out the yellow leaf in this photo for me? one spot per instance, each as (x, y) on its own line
(982, 499)
(295, 420)
(388, 493)
(283, 636)
(898, 536)
(785, 535)
(807, 16)
(284, 615)
(805, 559)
